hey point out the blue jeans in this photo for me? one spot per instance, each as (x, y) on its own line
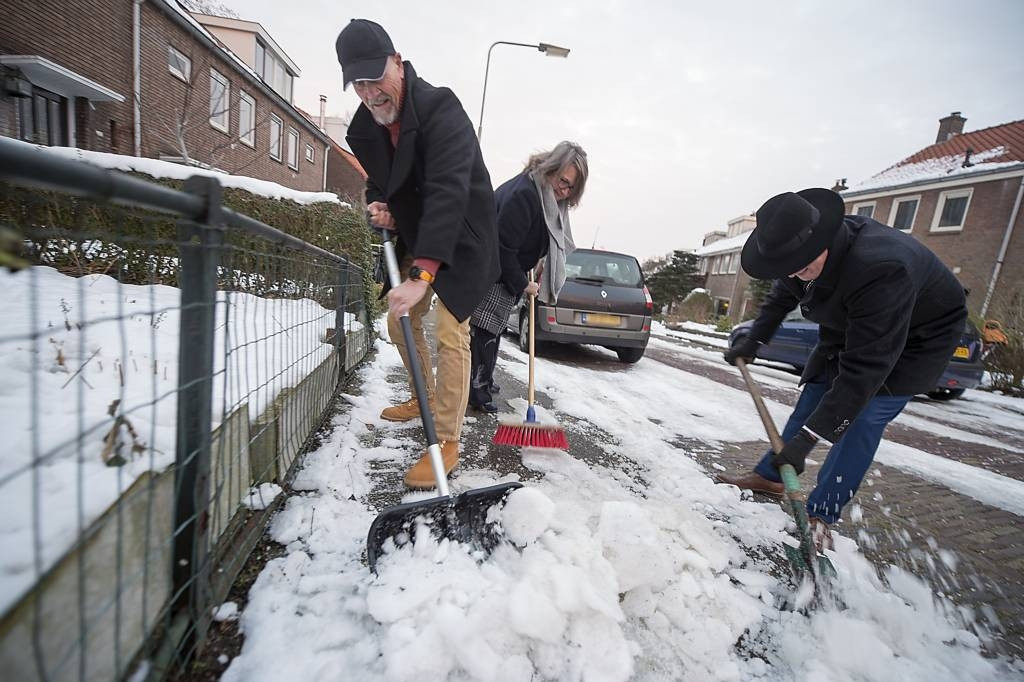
(848, 460)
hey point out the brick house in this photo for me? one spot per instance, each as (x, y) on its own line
(720, 262)
(150, 79)
(961, 197)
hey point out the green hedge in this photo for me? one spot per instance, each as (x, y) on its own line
(81, 236)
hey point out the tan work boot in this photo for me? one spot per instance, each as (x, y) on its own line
(752, 481)
(404, 412)
(421, 475)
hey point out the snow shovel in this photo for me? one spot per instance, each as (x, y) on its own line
(805, 559)
(463, 518)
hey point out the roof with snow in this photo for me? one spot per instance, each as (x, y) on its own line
(991, 149)
(723, 245)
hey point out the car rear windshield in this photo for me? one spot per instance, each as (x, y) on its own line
(606, 267)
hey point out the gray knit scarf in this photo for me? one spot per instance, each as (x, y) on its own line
(560, 244)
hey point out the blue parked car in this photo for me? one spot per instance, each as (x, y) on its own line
(796, 337)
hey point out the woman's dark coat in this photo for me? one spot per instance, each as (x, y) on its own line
(522, 232)
(890, 316)
(437, 189)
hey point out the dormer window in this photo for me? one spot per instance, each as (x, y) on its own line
(273, 71)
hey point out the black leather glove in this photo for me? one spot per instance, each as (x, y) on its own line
(795, 451)
(745, 348)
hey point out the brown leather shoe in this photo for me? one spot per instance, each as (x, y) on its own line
(752, 481)
(421, 475)
(403, 412)
(821, 534)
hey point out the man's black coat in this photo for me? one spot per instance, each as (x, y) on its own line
(890, 315)
(437, 189)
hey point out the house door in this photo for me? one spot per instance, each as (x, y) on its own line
(43, 118)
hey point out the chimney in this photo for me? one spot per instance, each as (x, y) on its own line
(950, 126)
(323, 110)
(840, 185)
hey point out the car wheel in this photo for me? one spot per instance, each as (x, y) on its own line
(946, 393)
(524, 333)
(630, 355)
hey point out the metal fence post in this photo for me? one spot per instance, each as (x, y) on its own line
(340, 332)
(199, 242)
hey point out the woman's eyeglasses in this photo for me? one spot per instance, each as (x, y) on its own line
(565, 184)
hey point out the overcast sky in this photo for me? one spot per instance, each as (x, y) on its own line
(691, 113)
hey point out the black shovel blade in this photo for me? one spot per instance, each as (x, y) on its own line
(462, 518)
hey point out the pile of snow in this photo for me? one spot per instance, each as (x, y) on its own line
(639, 570)
(177, 171)
(939, 168)
(71, 347)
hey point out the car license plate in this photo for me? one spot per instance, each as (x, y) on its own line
(600, 319)
(962, 352)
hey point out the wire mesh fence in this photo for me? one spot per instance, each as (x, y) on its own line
(160, 376)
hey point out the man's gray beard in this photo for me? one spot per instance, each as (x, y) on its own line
(384, 121)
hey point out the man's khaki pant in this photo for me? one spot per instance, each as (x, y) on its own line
(450, 393)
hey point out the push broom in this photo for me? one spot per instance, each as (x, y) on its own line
(530, 433)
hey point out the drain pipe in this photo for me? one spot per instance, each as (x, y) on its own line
(1002, 249)
(137, 67)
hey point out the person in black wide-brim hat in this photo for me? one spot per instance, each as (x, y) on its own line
(890, 315)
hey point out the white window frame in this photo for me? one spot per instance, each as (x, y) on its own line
(293, 148)
(247, 136)
(310, 153)
(894, 209)
(865, 204)
(275, 119)
(941, 204)
(174, 54)
(734, 263)
(225, 127)
(703, 266)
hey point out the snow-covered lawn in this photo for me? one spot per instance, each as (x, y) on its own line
(71, 347)
(608, 579)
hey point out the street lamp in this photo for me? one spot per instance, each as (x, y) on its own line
(549, 50)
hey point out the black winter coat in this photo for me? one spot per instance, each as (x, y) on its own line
(522, 231)
(890, 316)
(437, 189)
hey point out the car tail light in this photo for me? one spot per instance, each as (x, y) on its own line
(647, 327)
(551, 319)
(650, 302)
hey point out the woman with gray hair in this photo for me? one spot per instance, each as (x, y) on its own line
(533, 223)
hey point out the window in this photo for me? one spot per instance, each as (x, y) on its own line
(275, 137)
(178, 64)
(734, 263)
(867, 209)
(220, 100)
(951, 210)
(901, 216)
(310, 153)
(261, 56)
(246, 118)
(293, 149)
(703, 266)
(42, 118)
(273, 71)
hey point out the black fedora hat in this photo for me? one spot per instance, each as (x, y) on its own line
(792, 230)
(363, 48)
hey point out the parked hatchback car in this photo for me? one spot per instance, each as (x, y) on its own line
(796, 337)
(604, 302)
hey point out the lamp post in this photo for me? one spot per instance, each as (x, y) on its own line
(548, 50)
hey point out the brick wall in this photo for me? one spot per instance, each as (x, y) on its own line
(344, 180)
(94, 41)
(970, 253)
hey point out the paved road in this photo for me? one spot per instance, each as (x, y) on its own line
(966, 550)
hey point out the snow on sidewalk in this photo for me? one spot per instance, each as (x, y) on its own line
(606, 582)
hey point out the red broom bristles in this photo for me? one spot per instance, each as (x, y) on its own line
(529, 435)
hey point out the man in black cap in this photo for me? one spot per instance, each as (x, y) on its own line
(426, 179)
(890, 315)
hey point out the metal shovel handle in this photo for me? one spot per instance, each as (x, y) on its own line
(433, 448)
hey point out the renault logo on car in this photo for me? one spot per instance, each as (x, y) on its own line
(604, 294)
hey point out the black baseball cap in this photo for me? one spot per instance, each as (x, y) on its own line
(363, 50)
